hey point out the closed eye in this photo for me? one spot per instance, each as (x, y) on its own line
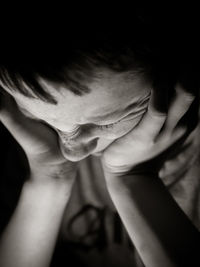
(129, 117)
(108, 126)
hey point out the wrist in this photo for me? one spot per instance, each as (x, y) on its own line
(148, 168)
(130, 179)
(53, 170)
(55, 191)
(53, 175)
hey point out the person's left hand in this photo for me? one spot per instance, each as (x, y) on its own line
(144, 148)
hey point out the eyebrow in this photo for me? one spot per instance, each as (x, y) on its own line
(127, 110)
(106, 118)
(103, 118)
(114, 114)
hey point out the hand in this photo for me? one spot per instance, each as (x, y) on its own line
(38, 141)
(145, 147)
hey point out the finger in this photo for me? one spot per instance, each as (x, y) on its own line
(155, 117)
(178, 107)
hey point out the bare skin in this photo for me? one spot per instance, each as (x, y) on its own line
(120, 98)
(123, 145)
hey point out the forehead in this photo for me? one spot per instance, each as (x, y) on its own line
(110, 95)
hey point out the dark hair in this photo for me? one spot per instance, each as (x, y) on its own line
(73, 63)
(136, 44)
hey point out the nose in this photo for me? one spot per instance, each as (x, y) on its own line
(77, 145)
(76, 151)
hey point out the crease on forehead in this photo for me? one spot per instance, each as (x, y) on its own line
(131, 107)
(112, 104)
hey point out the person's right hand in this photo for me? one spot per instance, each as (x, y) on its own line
(157, 136)
(39, 142)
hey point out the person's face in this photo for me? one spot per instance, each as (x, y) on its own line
(89, 123)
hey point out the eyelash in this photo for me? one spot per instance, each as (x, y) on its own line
(108, 126)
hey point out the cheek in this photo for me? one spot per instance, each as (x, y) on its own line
(108, 138)
(122, 128)
(92, 140)
(104, 136)
(102, 144)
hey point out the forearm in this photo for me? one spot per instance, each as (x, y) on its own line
(31, 234)
(161, 232)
